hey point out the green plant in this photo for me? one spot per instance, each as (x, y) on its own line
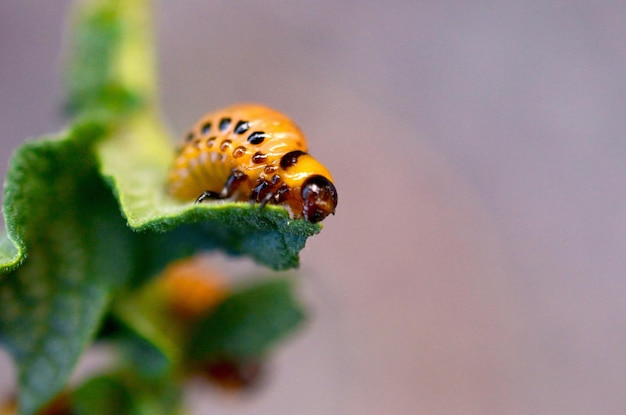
(89, 225)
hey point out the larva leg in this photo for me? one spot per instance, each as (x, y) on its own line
(282, 194)
(232, 183)
(266, 199)
(259, 191)
(262, 193)
(207, 195)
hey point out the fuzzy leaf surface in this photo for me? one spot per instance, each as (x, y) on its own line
(78, 251)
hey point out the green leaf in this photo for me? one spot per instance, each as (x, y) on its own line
(95, 78)
(50, 307)
(122, 394)
(79, 250)
(102, 395)
(248, 323)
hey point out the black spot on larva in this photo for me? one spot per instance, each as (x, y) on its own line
(225, 145)
(242, 127)
(206, 128)
(259, 158)
(210, 141)
(256, 137)
(189, 137)
(224, 124)
(290, 158)
(270, 169)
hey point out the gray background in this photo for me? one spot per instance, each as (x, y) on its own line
(476, 261)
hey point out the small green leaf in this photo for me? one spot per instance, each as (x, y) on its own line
(102, 395)
(122, 394)
(94, 81)
(247, 323)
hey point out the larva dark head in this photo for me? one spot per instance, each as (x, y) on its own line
(319, 198)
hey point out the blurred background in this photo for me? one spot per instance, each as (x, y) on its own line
(476, 262)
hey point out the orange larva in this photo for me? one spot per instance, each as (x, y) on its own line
(192, 289)
(251, 152)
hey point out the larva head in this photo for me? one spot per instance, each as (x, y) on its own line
(319, 198)
(313, 194)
